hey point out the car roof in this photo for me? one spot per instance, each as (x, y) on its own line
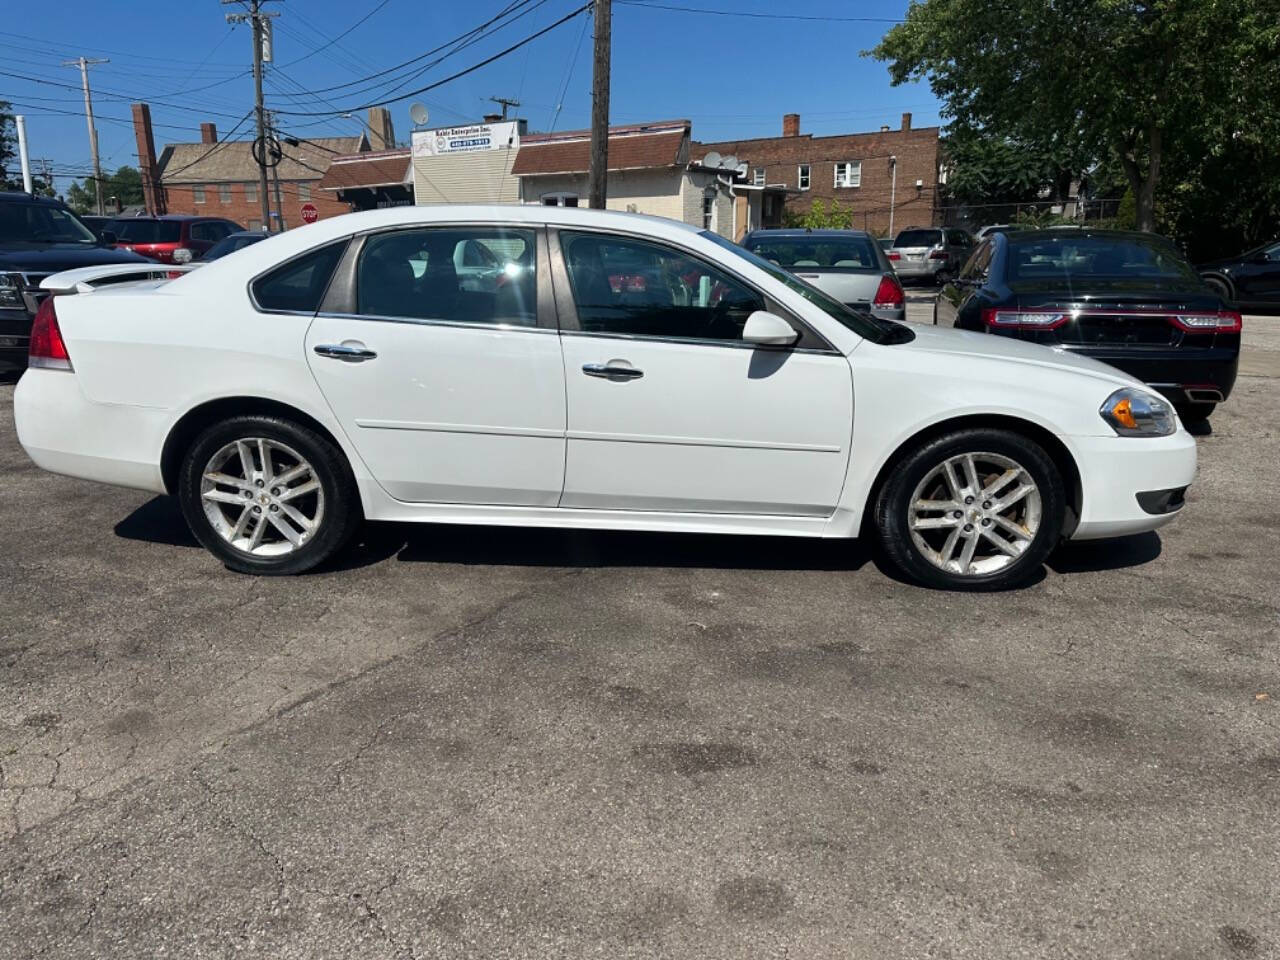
(794, 232)
(172, 216)
(1067, 230)
(17, 196)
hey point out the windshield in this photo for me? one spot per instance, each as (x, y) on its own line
(918, 238)
(863, 324)
(852, 253)
(1073, 255)
(41, 223)
(147, 231)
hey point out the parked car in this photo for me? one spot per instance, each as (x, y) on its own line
(984, 232)
(39, 236)
(847, 264)
(929, 253)
(97, 224)
(173, 238)
(231, 243)
(1128, 299)
(284, 397)
(1251, 280)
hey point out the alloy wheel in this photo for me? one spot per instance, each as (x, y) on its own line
(975, 513)
(262, 497)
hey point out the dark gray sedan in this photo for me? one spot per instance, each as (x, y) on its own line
(846, 264)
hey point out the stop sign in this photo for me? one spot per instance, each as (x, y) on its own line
(309, 213)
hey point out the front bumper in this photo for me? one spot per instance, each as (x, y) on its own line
(1121, 477)
(1174, 372)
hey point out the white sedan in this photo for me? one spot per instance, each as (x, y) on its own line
(621, 372)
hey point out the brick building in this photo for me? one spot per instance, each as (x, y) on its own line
(221, 179)
(853, 168)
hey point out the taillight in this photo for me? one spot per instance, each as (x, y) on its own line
(47, 349)
(938, 255)
(1024, 319)
(1224, 321)
(889, 293)
(894, 255)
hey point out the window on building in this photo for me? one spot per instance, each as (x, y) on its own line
(708, 210)
(462, 275)
(224, 193)
(559, 199)
(304, 191)
(251, 192)
(197, 193)
(802, 176)
(254, 225)
(758, 177)
(634, 287)
(849, 173)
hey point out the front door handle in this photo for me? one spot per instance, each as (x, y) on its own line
(350, 352)
(617, 370)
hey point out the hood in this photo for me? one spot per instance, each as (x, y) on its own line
(964, 343)
(55, 257)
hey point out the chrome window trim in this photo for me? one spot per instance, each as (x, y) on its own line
(433, 322)
(701, 341)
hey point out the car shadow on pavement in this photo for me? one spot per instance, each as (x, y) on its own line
(160, 521)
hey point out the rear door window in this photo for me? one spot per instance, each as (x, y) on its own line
(148, 231)
(456, 274)
(298, 286)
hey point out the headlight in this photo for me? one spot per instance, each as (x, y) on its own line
(1134, 413)
(11, 292)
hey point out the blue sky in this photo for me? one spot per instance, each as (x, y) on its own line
(732, 75)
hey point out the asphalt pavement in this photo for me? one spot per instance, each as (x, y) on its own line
(472, 742)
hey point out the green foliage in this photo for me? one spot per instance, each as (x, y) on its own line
(987, 169)
(1141, 85)
(821, 217)
(125, 185)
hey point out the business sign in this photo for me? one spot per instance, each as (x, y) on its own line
(473, 138)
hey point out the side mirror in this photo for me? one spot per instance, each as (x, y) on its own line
(769, 330)
(109, 238)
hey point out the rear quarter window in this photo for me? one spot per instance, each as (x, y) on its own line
(299, 285)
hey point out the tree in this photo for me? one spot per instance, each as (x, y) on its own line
(1128, 80)
(125, 185)
(821, 217)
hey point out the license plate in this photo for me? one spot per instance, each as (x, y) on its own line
(915, 256)
(13, 341)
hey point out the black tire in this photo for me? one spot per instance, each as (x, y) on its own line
(340, 512)
(1195, 412)
(1219, 286)
(893, 514)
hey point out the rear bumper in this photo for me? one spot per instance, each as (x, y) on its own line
(918, 269)
(1131, 484)
(13, 357)
(65, 432)
(1174, 372)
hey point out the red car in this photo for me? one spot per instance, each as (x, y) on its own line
(170, 239)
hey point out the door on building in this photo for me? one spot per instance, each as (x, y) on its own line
(450, 387)
(669, 409)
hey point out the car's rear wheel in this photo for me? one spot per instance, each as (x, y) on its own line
(267, 495)
(1219, 286)
(977, 509)
(1195, 412)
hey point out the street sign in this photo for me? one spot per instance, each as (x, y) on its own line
(309, 213)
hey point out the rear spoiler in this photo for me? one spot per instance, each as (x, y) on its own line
(86, 279)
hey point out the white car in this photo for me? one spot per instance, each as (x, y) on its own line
(626, 372)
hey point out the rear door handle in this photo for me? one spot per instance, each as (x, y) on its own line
(350, 352)
(613, 370)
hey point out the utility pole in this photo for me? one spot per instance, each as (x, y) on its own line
(84, 63)
(256, 17)
(21, 121)
(505, 102)
(275, 177)
(597, 183)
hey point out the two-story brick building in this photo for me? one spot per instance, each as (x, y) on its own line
(221, 179)
(882, 177)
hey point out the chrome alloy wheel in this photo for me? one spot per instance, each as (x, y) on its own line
(262, 497)
(975, 513)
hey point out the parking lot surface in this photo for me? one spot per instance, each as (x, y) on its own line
(472, 742)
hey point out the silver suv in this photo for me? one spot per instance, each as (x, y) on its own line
(930, 253)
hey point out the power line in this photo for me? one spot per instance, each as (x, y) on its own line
(568, 75)
(222, 142)
(461, 73)
(757, 16)
(115, 95)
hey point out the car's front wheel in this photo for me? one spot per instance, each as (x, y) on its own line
(1195, 412)
(267, 495)
(977, 509)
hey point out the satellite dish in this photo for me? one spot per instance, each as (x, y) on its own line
(712, 159)
(418, 113)
(729, 162)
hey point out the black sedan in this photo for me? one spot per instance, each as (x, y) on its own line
(1127, 299)
(1249, 280)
